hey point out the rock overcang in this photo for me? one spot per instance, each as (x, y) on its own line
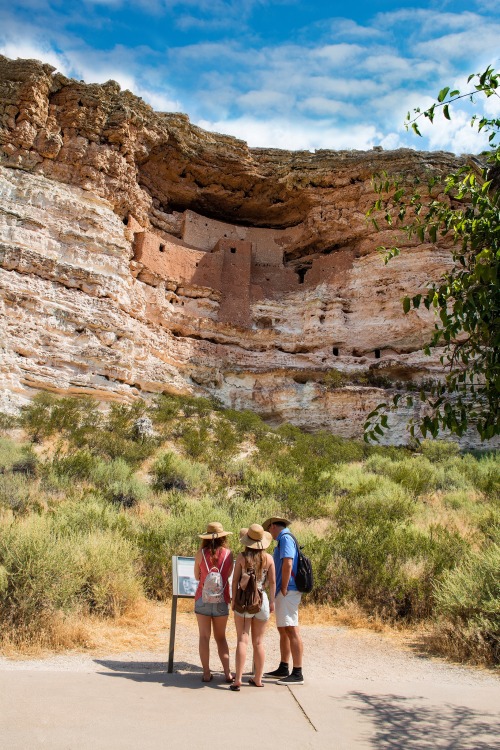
(141, 254)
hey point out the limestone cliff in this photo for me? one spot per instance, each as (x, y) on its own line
(139, 253)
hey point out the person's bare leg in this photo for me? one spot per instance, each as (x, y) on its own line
(205, 630)
(296, 645)
(242, 630)
(284, 645)
(219, 625)
(258, 630)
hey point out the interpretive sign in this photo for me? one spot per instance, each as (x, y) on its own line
(184, 586)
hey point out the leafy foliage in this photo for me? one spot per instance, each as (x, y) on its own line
(462, 208)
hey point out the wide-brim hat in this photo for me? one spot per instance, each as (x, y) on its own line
(256, 537)
(215, 530)
(275, 519)
(243, 532)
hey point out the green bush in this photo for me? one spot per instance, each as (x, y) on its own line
(108, 566)
(172, 472)
(42, 575)
(439, 450)
(469, 597)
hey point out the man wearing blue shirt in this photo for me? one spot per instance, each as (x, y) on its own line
(287, 602)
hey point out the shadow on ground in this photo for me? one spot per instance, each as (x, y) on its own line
(186, 675)
(399, 723)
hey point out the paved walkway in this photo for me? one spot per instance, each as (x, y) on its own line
(384, 700)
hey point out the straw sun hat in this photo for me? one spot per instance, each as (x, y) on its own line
(256, 537)
(215, 530)
(275, 519)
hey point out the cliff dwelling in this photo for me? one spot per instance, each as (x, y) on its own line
(240, 264)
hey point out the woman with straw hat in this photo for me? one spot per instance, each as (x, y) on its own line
(255, 542)
(212, 568)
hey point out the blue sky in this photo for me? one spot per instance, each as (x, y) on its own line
(278, 73)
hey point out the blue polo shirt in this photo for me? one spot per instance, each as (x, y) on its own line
(285, 547)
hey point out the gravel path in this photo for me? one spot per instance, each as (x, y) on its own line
(330, 651)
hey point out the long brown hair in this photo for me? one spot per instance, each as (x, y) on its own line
(256, 559)
(214, 545)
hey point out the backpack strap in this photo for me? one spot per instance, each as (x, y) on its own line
(298, 549)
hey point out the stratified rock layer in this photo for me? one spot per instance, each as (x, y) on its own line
(141, 254)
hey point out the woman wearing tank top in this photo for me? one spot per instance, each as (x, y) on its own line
(255, 541)
(213, 556)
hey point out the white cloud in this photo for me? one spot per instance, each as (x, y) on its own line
(320, 105)
(36, 50)
(303, 135)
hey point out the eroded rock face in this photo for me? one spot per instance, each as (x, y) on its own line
(139, 254)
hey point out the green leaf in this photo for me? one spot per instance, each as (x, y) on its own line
(442, 94)
(446, 112)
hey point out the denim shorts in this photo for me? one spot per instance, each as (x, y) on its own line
(211, 610)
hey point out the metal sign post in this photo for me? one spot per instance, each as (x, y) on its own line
(184, 586)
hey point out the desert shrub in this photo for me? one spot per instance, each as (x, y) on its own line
(49, 572)
(114, 478)
(469, 597)
(108, 566)
(79, 465)
(439, 450)
(91, 513)
(481, 473)
(195, 438)
(164, 410)
(7, 422)
(382, 561)
(171, 471)
(246, 422)
(19, 493)
(296, 497)
(15, 457)
(42, 575)
(225, 441)
(46, 415)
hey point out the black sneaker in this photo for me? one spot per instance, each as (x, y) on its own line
(292, 679)
(280, 672)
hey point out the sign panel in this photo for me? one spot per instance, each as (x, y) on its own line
(183, 581)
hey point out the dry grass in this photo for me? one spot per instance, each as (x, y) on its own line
(143, 627)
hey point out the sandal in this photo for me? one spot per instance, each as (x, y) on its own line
(229, 680)
(235, 688)
(209, 679)
(253, 683)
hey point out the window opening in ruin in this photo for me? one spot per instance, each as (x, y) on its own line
(125, 220)
(162, 248)
(335, 351)
(233, 250)
(301, 274)
(377, 353)
(321, 318)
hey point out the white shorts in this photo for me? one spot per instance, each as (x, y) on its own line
(287, 609)
(262, 614)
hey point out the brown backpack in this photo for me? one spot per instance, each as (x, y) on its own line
(248, 599)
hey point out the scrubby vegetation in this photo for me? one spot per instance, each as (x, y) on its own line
(93, 504)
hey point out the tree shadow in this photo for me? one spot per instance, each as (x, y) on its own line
(400, 723)
(186, 675)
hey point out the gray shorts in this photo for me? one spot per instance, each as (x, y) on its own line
(262, 614)
(211, 610)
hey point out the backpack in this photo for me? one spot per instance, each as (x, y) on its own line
(304, 578)
(248, 599)
(213, 585)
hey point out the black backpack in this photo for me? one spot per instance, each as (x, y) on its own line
(304, 578)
